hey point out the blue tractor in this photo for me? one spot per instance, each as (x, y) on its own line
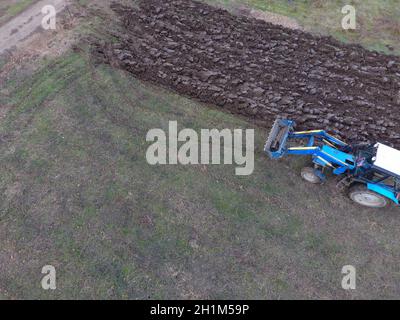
(370, 173)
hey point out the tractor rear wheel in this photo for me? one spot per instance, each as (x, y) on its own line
(360, 194)
(309, 175)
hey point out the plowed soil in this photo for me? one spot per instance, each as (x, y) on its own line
(260, 70)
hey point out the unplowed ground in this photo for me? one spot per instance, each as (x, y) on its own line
(260, 70)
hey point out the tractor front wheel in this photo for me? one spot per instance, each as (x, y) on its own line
(309, 175)
(360, 194)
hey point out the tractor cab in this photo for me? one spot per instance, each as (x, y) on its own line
(378, 166)
(379, 159)
(387, 160)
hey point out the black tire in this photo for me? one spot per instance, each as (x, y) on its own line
(309, 175)
(361, 195)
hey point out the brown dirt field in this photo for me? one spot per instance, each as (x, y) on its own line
(260, 70)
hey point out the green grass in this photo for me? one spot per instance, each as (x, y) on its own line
(83, 2)
(76, 192)
(11, 8)
(378, 24)
(18, 7)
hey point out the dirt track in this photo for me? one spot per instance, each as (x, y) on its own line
(260, 70)
(22, 26)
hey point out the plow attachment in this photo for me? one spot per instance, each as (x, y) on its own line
(276, 142)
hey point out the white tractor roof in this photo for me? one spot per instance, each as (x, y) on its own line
(387, 158)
